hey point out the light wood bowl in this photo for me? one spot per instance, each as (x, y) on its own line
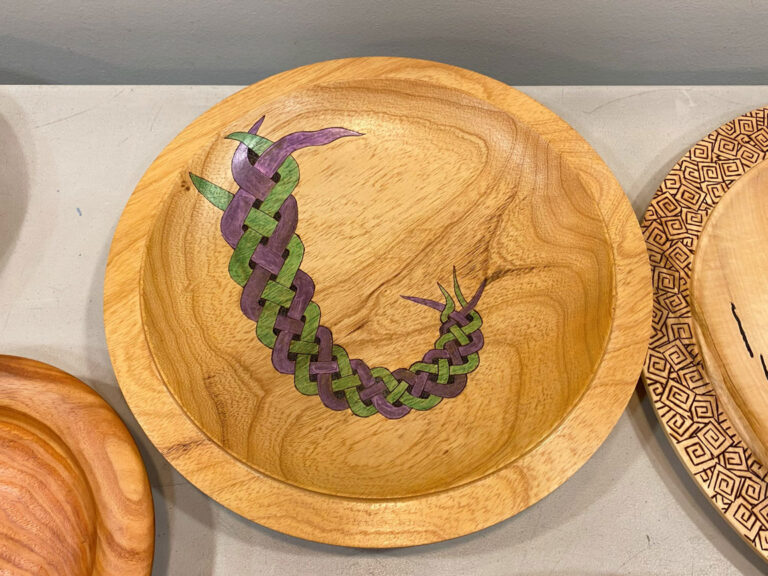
(453, 169)
(75, 496)
(707, 366)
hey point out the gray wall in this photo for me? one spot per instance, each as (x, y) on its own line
(239, 41)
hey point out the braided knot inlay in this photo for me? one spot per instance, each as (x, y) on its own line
(259, 223)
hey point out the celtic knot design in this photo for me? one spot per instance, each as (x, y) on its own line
(259, 223)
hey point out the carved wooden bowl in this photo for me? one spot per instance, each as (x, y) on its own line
(432, 421)
(707, 366)
(75, 496)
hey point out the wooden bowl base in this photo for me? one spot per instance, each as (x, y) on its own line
(452, 169)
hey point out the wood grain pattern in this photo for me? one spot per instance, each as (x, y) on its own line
(454, 169)
(705, 230)
(75, 496)
(730, 305)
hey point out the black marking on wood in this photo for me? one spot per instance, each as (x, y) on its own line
(744, 336)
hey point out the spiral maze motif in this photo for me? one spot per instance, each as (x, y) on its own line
(259, 223)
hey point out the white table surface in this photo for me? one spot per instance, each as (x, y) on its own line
(69, 159)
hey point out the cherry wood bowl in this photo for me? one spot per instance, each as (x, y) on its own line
(453, 169)
(707, 365)
(75, 496)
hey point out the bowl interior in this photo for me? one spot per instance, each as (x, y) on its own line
(48, 512)
(730, 305)
(439, 179)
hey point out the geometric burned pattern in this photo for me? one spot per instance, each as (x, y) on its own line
(709, 447)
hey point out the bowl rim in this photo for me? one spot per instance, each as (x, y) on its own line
(366, 522)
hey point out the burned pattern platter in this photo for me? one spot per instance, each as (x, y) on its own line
(706, 230)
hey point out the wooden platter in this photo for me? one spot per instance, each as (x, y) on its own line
(75, 496)
(706, 230)
(380, 422)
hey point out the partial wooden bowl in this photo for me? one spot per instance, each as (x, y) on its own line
(707, 366)
(453, 169)
(75, 496)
